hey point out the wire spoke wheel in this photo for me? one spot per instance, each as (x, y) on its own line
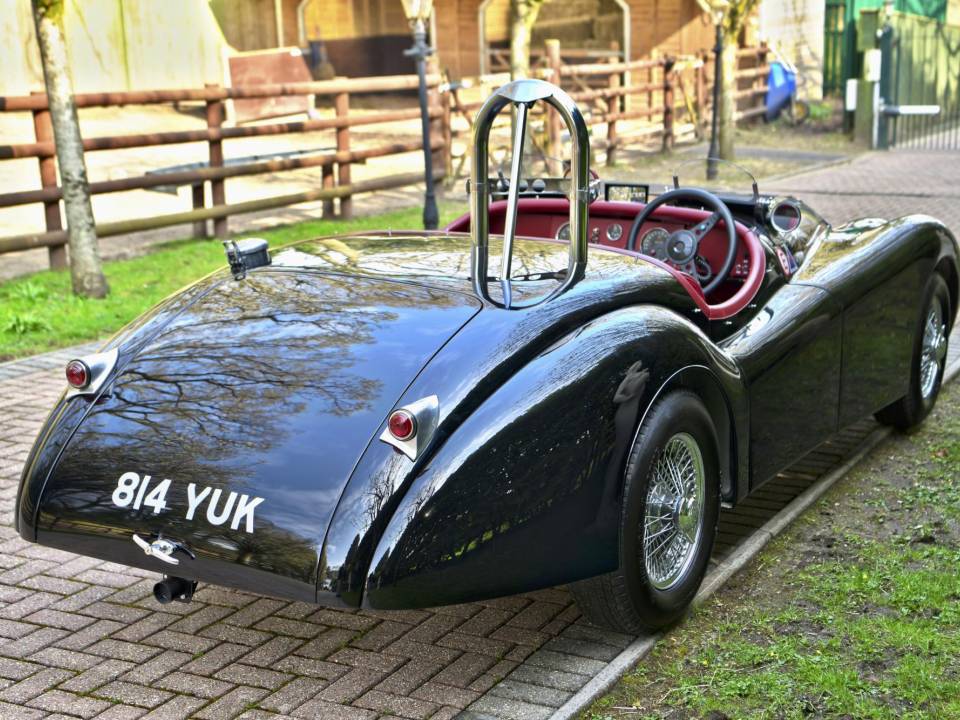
(934, 350)
(673, 515)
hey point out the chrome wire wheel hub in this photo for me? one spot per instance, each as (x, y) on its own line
(934, 350)
(673, 515)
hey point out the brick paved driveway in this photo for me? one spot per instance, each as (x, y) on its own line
(82, 638)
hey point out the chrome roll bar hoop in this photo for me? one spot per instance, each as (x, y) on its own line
(523, 94)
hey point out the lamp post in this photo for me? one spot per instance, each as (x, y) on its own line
(718, 9)
(418, 13)
(714, 152)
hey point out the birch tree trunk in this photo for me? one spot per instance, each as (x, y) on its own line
(86, 271)
(523, 14)
(728, 101)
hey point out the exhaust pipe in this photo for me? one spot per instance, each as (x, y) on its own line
(174, 588)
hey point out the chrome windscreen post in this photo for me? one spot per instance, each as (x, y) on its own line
(523, 94)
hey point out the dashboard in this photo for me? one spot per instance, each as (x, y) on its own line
(610, 226)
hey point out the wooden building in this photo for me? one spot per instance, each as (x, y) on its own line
(367, 37)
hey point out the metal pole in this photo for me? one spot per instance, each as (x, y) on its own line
(421, 51)
(714, 152)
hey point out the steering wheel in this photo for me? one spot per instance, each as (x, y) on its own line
(683, 245)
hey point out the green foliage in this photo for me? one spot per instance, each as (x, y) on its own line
(40, 312)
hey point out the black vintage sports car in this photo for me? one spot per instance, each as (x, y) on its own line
(381, 420)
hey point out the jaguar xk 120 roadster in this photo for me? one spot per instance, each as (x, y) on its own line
(383, 420)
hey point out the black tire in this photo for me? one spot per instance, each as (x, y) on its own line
(627, 599)
(910, 410)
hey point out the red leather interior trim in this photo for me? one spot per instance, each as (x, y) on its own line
(602, 209)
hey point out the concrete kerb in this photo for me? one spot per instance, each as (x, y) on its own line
(720, 575)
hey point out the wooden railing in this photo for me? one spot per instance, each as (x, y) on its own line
(669, 96)
(335, 164)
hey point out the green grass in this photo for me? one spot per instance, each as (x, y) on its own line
(39, 312)
(854, 613)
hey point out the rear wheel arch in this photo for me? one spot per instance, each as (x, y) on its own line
(704, 384)
(947, 269)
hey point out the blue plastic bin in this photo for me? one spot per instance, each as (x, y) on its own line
(781, 86)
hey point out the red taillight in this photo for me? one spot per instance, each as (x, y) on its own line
(402, 425)
(78, 374)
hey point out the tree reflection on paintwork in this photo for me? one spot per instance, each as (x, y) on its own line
(269, 387)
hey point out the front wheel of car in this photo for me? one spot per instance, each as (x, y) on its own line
(668, 521)
(928, 363)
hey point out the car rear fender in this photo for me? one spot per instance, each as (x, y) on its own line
(525, 493)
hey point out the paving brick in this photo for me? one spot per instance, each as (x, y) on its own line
(120, 650)
(34, 685)
(29, 644)
(322, 710)
(240, 674)
(93, 635)
(180, 641)
(68, 703)
(207, 615)
(485, 622)
(298, 665)
(59, 619)
(536, 615)
(601, 635)
(556, 679)
(380, 636)
(200, 685)
(327, 643)
(9, 711)
(567, 663)
(351, 686)
(67, 659)
(583, 648)
(177, 708)
(131, 694)
(348, 620)
(287, 626)
(121, 712)
(17, 669)
(512, 709)
(536, 694)
(406, 707)
(157, 667)
(254, 612)
(465, 669)
(446, 694)
(221, 656)
(292, 695)
(363, 659)
(97, 676)
(224, 632)
(232, 704)
(148, 626)
(410, 676)
(272, 651)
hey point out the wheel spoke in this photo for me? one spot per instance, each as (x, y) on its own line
(673, 510)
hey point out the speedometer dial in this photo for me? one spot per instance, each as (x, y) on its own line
(654, 244)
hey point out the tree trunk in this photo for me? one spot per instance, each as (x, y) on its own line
(85, 268)
(728, 101)
(523, 14)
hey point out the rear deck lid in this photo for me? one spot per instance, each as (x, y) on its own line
(255, 404)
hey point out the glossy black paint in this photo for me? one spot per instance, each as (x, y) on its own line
(279, 386)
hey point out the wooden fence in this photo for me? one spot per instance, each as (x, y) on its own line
(662, 92)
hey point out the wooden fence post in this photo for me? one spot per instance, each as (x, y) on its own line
(447, 125)
(614, 107)
(668, 100)
(218, 193)
(341, 104)
(701, 95)
(197, 196)
(554, 128)
(43, 131)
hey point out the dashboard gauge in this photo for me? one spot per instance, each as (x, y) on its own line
(614, 232)
(785, 217)
(654, 244)
(563, 232)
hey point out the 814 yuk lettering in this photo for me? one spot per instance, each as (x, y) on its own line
(135, 491)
